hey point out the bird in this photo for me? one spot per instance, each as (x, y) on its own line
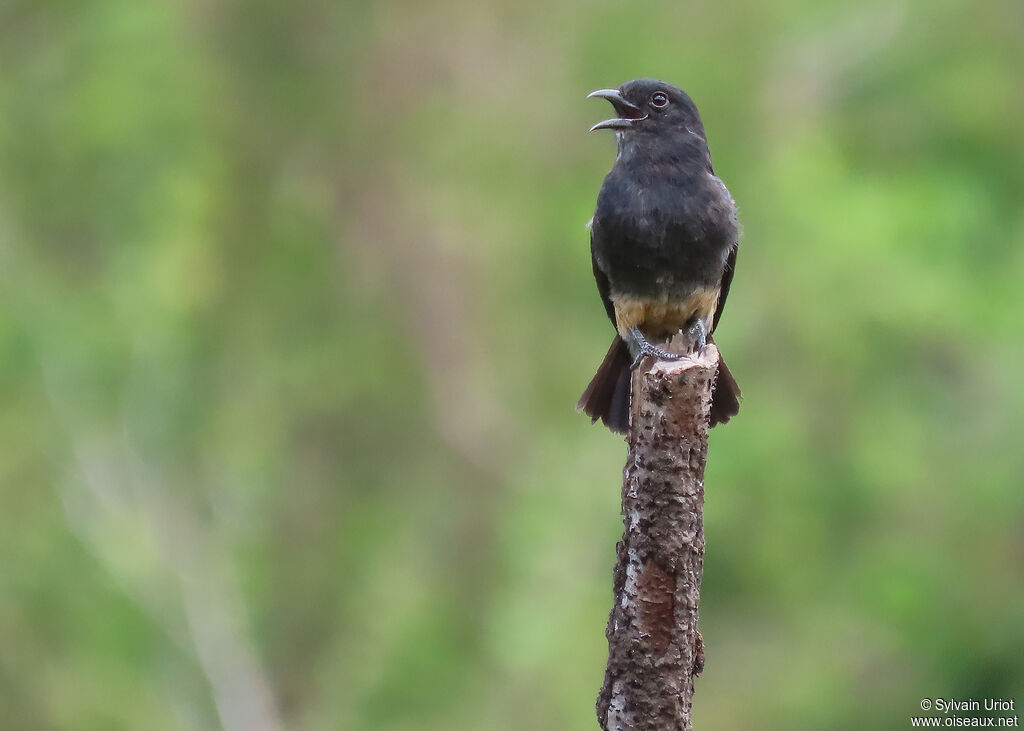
(663, 243)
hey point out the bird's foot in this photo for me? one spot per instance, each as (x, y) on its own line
(639, 346)
(698, 336)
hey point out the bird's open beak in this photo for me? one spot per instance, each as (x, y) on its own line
(629, 113)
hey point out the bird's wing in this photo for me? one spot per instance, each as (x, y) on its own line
(723, 292)
(603, 285)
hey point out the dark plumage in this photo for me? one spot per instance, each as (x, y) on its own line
(663, 239)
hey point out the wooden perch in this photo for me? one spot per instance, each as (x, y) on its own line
(654, 648)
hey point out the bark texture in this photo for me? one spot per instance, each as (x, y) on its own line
(654, 648)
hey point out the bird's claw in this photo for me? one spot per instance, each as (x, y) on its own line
(698, 335)
(640, 346)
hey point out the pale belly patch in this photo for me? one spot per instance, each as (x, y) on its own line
(662, 317)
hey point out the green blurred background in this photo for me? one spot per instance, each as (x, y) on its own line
(297, 303)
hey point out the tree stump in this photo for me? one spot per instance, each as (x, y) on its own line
(654, 648)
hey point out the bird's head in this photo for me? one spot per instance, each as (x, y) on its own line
(649, 105)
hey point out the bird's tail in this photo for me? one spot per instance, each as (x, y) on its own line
(725, 402)
(607, 396)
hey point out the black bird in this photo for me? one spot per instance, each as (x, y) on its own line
(663, 241)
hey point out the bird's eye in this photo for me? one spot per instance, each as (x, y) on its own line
(659, 100)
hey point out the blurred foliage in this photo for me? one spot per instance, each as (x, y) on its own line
(297, 303)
